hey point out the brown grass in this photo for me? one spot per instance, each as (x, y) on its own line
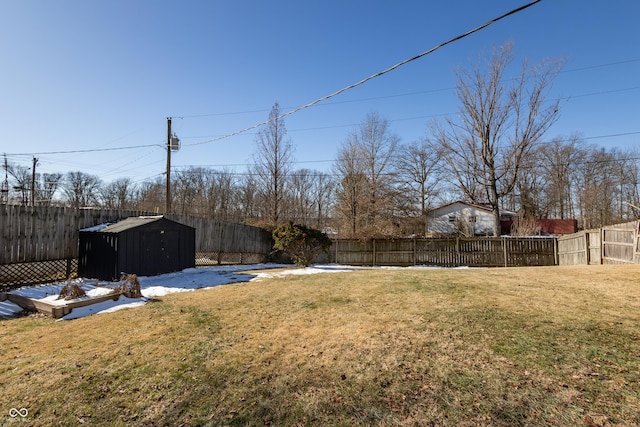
(517, 346)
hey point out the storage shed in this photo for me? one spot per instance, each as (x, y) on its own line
(146, 246)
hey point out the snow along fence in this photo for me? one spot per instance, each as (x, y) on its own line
(39, 244)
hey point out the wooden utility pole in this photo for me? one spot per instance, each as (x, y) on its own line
(33, 182)
(168, 195)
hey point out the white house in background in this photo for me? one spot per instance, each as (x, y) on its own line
(457, 216)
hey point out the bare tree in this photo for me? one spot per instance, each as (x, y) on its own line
(418, 169)
(248, 198)
(623, 168)
(323, 196)
(46, 186)
(273, 161)
(634, 186)
(377, 145)
(352, 190)
(22, 177)
(222, 195)
(118, 194)
(559, 161)
(365, 168)
(300, 194)
(81, 189)
(500, 122)
(597, 188)
(189, 194)
(150, 195)
(607, 186)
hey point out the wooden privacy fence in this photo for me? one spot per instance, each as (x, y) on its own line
(41, 243)
(218, 241)
(31, 234)
(453, 252)
(614, 244)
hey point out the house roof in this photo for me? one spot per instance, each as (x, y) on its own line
(472, 205)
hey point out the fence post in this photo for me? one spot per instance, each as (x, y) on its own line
(504, 251)
(373, 259)
(602, 245)
(587, 250)
(415, 257)
(68, 268)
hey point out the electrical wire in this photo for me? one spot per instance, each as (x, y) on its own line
(373, 76)
(422, 92)
(92, 150)
(182, 168)
(295, 110)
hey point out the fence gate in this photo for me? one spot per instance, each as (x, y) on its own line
(615, 244)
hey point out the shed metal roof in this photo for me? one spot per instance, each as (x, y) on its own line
(129, 223)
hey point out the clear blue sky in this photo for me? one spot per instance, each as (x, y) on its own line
(102, 74)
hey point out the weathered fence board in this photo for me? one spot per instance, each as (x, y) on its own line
(572, 249)
(481, 251)
(38, 243)
(619, 244)
(31, 234)
(226, 237)
(615, 244)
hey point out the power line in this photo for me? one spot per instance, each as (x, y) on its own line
(92, 150)
(177, 167)
(373, 76)
(591, 67)
(331, 103)
(398, 95)
(319, 100)
(566, 98)
(347, 88)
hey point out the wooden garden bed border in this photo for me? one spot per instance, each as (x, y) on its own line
(55, 311)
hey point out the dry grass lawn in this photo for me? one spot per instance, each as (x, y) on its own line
(495, 347)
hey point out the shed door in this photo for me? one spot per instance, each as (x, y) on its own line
(162, 252)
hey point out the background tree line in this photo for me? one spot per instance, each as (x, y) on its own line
(496, 152)
(370, 190)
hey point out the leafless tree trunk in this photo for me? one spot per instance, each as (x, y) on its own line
(22, 177)
(272, 165)
(418, 178)
(351, 191)
(118, 194)
(323, 196)
(222, 195)
(365, 166)
(248, 198)
(559, 160)
(187, 191)
(378, 146)
(150, 195)
(81, 189)
(46, 188)
(501, 120)
(300, 193)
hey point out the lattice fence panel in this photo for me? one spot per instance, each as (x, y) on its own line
(32, 273)
(217, 258)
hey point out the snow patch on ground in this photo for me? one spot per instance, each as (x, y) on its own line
(165, 284)
(153, 286)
